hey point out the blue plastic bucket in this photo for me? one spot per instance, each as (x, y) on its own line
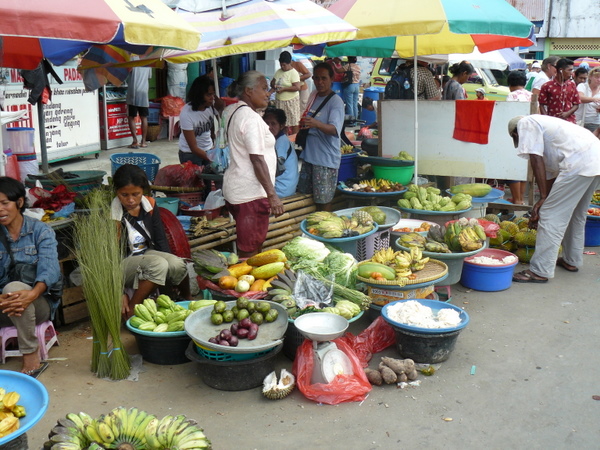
(170, 203)
(592, 232)
(347, 167)
(336, 87)
(488, 278)
(370, 116)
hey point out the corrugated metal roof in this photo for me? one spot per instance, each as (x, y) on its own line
(534, 10)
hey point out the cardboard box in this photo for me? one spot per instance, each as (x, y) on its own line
(382, 297)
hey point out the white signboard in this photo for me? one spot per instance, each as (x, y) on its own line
(71, 119)
(439, 153)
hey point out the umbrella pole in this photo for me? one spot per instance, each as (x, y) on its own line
(42, 128)
(215, 76)
(416, 83)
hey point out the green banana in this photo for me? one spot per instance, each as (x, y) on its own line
(152, 441)
(163, 427)
(279, 298)
(67, 438)
(197, 439)
(278, 291)
(76, 421)
(141, 430)
(178, 420)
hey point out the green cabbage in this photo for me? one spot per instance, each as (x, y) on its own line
(342, 266)
(305, 253)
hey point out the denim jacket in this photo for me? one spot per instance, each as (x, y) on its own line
(36, 245)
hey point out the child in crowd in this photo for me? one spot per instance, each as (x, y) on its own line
(285, 184)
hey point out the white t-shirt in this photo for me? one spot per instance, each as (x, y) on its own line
(137, 241)
(567, 148)
(587, 111)
(540, 79)
(201, 123)
(247, 134)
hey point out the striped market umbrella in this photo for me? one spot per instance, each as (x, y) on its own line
(591, 62)
(57, 30)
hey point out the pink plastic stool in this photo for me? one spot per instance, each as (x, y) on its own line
(46, 335)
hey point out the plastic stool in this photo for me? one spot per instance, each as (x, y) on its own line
(46, 336)
(173, 121)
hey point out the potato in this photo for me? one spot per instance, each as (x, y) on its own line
(374, 377)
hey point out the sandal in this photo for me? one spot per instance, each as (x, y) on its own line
(560, 262)
(134, 146)
(143, 145)
(527, 276)
(37, 372)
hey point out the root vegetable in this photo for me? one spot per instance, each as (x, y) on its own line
(399, 366)
(233, 341)
(388, 375)
(402, 378)
(413, 375)
(233, 329)
(374, 377)
(242, 333)
(224, 342)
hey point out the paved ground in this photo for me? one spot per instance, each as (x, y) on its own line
(522, 375)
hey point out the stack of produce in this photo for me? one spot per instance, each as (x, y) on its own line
(404, 156)
(376, 213)
(596, 198)
(388, 265)
(99, 254)
(375, 185)
(10, 412)
(347, 149)
(391, 370)
(126, 429)
(515, 236)
(164, 315)
(463, 235)
(254, 274)
(430, 199)
(330, 226)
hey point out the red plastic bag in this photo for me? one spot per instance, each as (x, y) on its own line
(376, 338)
(53, 200)
(365, 133)
(180, 175)
(171, 106)
(344, 388)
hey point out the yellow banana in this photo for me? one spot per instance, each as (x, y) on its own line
(163, 427)
(92, 434)
(150, 434)
(174, 425)
(105, 432)
(142, 428)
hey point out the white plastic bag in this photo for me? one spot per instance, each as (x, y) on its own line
(214, 200)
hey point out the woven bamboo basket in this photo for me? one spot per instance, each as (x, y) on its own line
(153, 132)
(433, 270)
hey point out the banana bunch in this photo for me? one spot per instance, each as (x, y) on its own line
(281, 290)
(384, 256)
(464, 235)
(417, 261)
(469, 239)
(126, 429)
(596, 198)
(412, 240)
(347, 148)
(406, 263)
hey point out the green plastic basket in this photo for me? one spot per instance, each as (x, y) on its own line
(222, 356)
(401, 175)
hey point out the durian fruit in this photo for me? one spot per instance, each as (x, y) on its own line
(522, 222)
(526, 238)
(524, 254)
(363, 218)
(502, 238)
(509, 226)
(274, 390)
(492, 218)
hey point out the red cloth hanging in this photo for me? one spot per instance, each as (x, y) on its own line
(472, 121)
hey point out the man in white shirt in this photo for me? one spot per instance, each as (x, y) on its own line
(565, 159)
(548, 72)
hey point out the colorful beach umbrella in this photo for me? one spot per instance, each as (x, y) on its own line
(60, 29)
(591, 62)
(442, 26)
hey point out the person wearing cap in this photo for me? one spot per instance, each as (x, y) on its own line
(480, 93)
(535, 68)
(559, 96)
(565, 160)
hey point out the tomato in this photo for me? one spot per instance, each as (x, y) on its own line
(376, 275)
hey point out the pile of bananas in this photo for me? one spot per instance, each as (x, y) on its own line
(163, 315)
(376, 185)
(347, 148)
(402, 263)
(596, 198)
(10, 412)
(464, 235)
(126, 429)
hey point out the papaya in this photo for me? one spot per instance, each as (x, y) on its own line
(237, 270)
(268, 270)
(258, 285)
(366, 269)
(227, 282)
(473, 189)
(268, 257)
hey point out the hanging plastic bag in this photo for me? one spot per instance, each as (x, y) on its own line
(376, 338)
(171, 106)
(214, 200)
(219, 155)
(344, 388)
(309, 291)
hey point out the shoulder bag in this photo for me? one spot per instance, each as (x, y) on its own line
(303, 133)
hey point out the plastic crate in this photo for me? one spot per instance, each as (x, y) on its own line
(148, 162)
(223, 356)
(366, 248)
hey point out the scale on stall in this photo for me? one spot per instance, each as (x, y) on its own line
(329, 361)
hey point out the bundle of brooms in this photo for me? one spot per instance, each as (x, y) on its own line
(98, 251)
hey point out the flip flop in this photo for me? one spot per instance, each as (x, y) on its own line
(134, 146)
(143, 145)
(528, 277)
(560, 262)
(37, 372)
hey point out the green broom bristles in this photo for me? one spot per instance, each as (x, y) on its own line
(99, 254)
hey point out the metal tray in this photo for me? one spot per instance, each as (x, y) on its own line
(199, 327)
